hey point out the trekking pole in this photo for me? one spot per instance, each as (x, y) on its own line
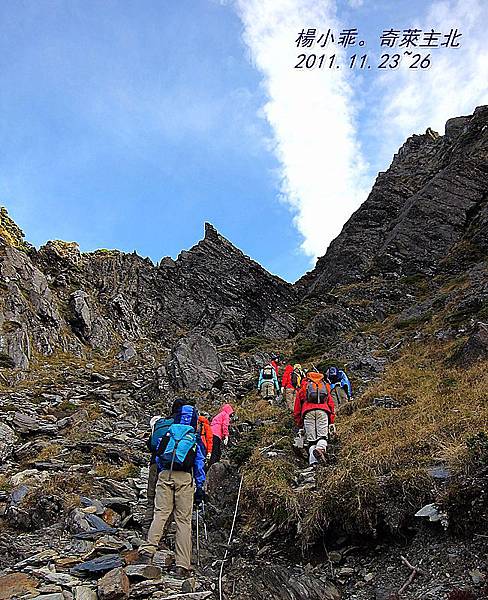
(230, 537)
(198, 537)
(204, 521)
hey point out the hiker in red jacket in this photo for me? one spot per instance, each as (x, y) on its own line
(275, 362)
(287, 387)
(314, 411)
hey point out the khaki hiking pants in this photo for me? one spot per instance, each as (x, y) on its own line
(339, 395)
(268, 391)
(173, 492)
(290, 394)
(151, 493)
(316, 425)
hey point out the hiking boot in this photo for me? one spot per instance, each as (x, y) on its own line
(319, 454)
(182, 573)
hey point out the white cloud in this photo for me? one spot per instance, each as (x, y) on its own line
(455, 83)
(312, 115)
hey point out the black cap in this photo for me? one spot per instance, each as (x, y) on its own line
(179, 402)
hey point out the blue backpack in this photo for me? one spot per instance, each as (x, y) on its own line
(177, 449)
(161, 428)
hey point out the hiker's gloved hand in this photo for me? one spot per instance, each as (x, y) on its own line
(208, 456)
(225, 440)
(199, 496)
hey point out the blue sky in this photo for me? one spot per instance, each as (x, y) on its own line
(127, 124)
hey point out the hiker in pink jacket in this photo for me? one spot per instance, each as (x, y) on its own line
(220, 430)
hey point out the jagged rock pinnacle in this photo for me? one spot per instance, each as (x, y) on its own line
(210, 230)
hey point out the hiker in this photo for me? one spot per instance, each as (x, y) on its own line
(314, 411)
(220, 430)
(275, 363)
(206, 435)
(340, 385)
(268, 385)
(290, 383)
(180, 461)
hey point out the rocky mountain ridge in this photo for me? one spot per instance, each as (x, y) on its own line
(426, 215)
(58, 298)
(432, 199)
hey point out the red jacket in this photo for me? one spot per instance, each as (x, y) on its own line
(286, 379)
(301, 404)
(274, 364)
(206, 433)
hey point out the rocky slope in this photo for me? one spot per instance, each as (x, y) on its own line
(92, 345)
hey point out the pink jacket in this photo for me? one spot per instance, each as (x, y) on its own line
(220, 423)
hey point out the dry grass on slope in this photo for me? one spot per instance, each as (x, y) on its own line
(381, 476)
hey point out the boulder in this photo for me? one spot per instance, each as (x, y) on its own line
(216, 477)
(16, 584)
(127, 321)
(140, 572)
(278, 582)
(80, 522)
(114, 585)
(84, 592)
(194, 364)
(126, 352)
(28, 424)
(433, 513)
(98, 566)
(475, 348)
(31, 477)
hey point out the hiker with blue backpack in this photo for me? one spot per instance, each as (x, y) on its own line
(180, 460)
(340, 386)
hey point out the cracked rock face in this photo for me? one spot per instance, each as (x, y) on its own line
(433, 198)
(29, 318)
(195, 364)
